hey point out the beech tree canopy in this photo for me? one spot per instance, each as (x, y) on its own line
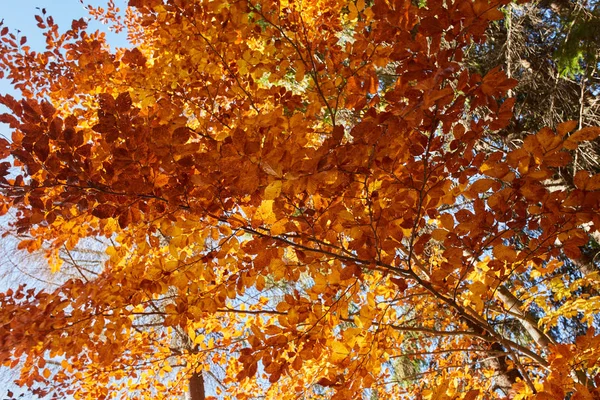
(326, 199)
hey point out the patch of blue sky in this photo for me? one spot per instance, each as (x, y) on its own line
(20, 19)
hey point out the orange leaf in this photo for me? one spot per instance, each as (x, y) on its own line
(585, 134)
(505, 253)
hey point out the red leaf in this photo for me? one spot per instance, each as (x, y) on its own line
(42, 148)
(4, 148)
(104, 211)
(401, 283)
(123, 102)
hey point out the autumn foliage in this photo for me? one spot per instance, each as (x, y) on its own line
(296, 203)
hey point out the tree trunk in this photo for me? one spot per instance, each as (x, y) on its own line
(528, 321)
(505, 377)
(197, 391)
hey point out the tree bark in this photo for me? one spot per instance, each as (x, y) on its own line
(197, 390)
(528, 321)
(505, 377)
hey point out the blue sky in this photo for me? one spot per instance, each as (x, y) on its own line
(20, 15)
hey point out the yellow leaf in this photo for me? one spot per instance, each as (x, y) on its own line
(191, 333)
(367, 315)
(55, 264)
(279, 227)
(273, 190)
(334, 277)
(265, 212)
(339, 351)
(292, 316)
(320, 283)
(174, 250)
(440, 392)
(161, 180)
(478, 290)
(277, 267)
(346, 215)
(300, 70)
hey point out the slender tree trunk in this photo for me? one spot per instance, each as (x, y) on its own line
(530, 324)
(528, 321)
(197, 390)
(508, 23)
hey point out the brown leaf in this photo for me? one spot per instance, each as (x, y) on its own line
(4, 148)
(585, 134)
(42, 148)
(401, 283)
(103, 211)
